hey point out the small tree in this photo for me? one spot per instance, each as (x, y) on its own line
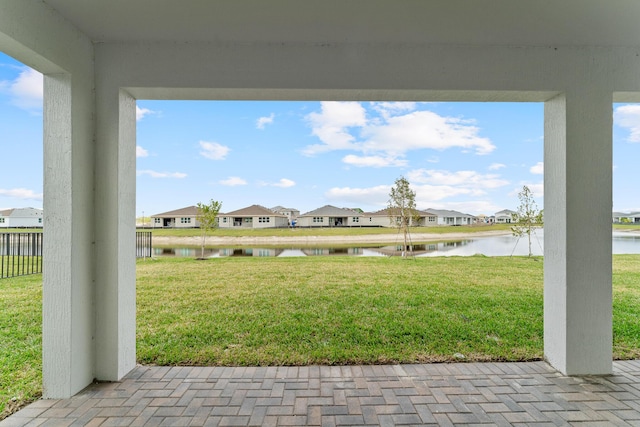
(528, 216)
(402, 208)
(208, 219)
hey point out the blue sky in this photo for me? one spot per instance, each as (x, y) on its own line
(471, 157)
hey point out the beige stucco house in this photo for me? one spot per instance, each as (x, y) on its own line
(254, 216)
(179, 218)
(331, 216)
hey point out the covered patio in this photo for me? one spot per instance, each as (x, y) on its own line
(99, 57)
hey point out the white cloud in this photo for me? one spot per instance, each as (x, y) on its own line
(213, 150)
(141, 152)
(376, 196)
(263, 121)
(464, 179)
(331, 126)
(537, 169)
(373, 161)
(233, 181)
(397, 130)
(388, 109)
(424, 130)
(154, 174)
(628, 117)
(141, 113)
(26, 91)
(496, 166)
(284, 183)
(21, 193)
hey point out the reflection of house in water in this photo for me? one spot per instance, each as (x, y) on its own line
(250, 252)
(331, 251)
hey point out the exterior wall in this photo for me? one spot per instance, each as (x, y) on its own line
(274, 222)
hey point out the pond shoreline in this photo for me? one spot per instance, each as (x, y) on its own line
(320, 240)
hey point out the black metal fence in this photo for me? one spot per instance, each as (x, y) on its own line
(20, 254)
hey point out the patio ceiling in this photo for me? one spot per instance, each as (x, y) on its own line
(459, 22)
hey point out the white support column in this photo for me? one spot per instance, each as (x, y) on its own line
(115, 233)
(68, 319)
(577, 250)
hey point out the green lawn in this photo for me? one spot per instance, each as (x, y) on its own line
(329, 310)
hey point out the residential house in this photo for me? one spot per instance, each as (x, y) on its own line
(254, 216)
(505, 216)
(331, 216)
(292, 214)
(626, 218)
(21, 218)
(387, 218)
(448, 217)
(180, 218)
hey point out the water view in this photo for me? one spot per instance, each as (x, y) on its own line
(622, 243)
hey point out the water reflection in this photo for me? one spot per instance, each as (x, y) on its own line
(622, 243)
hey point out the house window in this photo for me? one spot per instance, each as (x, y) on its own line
(356, 219)
(1, 220)
(318, 219)
(157, 220)
(264, 219)
(432, 219)
(224, 219)
(39, 220)
(185, 220)
(248, 220)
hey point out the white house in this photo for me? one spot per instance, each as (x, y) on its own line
(179, 218)
(21, 218)
(254, 216)
(331, 216)
(505, 216)
(449, 217)
(98, 57)
(628, 218)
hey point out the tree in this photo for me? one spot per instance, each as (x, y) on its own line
(208, 218)
(528, 216)
(402, 208)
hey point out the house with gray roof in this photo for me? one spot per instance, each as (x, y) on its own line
(254, 216)
(179, 218)
(291, 213)
(626, 218)
(21, 218)
(331, 216)
(390, 218)
(447, 217)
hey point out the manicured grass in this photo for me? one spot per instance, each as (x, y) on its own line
(298, 311)
(329, 310)
(336, 231)
(20, 341)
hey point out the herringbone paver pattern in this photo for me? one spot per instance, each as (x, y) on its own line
(430, 394)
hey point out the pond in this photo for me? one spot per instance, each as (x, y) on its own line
(622, 243)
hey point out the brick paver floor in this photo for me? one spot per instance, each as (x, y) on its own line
(428, 394)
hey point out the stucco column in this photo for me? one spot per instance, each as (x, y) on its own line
(67, 306)
(577, 215)
(115, 233)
